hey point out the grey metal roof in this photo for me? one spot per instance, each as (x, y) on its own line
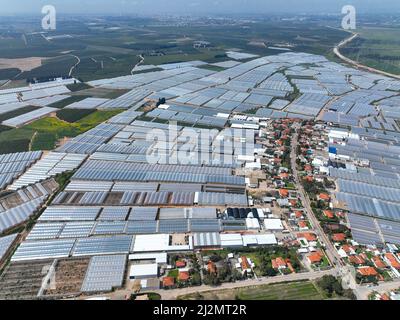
(114, 213)
(70, 213)
(46, 249)
(141, 227)
(206, 239)
(102, 245)
(104, 273)
(173, 226)
(143, 213)
(19, 214)
(5, 244)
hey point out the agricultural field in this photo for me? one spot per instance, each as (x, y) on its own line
(72, 115)
(302, 290)
(376, 47)
(63, 103)
(44, 134)
(111, 47)
(16, 113)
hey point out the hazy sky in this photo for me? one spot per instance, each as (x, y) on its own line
(197, 6)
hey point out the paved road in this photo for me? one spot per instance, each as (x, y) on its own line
(331, 252)
(336, 51)
(75, 65)
(362, 292)
(137, 64)
(174, 293)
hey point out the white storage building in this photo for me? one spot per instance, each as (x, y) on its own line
(142, 271)
(273, 224)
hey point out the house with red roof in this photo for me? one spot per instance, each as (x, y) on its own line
(168, 282)
(328, 213)
(309, 178)
(315, 257)
(284, 193)
(367, 271)
(378, 263)
(339, 237)
(284, 175)
(324, 197)
(308, 168)
(350, 250)
(180, 264)
(356, 259)
(245, 264)
(385, 296)
(211, 267)
(307, 235)
(392, 260)
(303, 225)
(299, 215)
(279, 263)
(184, 276)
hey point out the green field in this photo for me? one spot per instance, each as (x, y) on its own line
(302, 290)
(68, 101)
(16, 113)
(288, 291)
(73, 115)
(43, 134)
(112, 47)
(376, 47)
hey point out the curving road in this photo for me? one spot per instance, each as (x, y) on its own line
(75, 65)
(336, 51)
(138, 64)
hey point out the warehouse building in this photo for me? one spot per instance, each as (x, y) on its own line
(143, 271)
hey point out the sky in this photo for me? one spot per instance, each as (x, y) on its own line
(196, 6)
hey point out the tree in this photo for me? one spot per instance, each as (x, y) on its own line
(270, 272)
(349, 294)
(161, 101)
(211, 279)
(223, 272)
(267, 270)
(330, 285)
(215, 258)
(195, 279)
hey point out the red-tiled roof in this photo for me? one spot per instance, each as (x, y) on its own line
(393, 261)
(385, 296)
(278, 263)
(303, 224)
(378, 263)
(324, 196)
(184, 276)
(339, 237)
(367, 271)
(329, 214)
(307, 167)
(245, 263)
(315, 257)
(347, 248)
(180, 264)
(309, 178)
(307, 235)
(299, 214)
(168, 281)
(357, 259)
(284, 175)
(211, 267)
(283, 193)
